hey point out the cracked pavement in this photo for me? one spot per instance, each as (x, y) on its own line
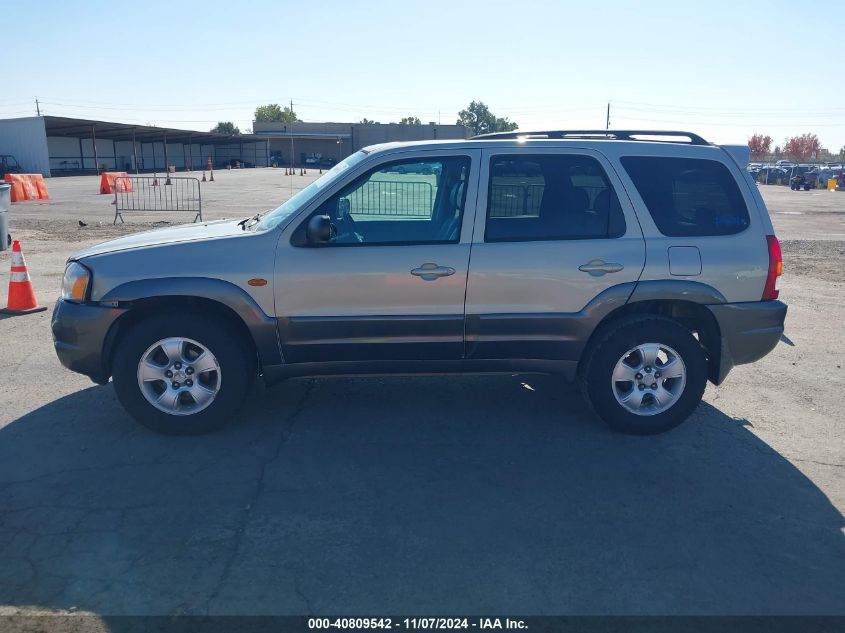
(426, 495)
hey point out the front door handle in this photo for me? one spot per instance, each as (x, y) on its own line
(430, 271)
(598, 267)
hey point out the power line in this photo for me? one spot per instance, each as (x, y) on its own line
(728, 110)
(729, 115)
(756, 124)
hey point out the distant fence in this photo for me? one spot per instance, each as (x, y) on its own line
(519, 200)
(152, 194)
(392, 198)
(508, 201)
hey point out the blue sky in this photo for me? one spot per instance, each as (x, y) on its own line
(722, 69)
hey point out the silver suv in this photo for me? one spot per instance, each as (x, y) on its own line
(640, 264)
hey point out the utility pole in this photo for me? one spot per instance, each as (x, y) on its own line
(37, 107)
(291, 142)
(607, 125)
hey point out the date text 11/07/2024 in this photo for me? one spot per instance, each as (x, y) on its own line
(417, 623)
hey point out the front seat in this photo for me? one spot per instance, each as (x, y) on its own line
(448, 231)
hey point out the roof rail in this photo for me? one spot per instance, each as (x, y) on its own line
(614, 135)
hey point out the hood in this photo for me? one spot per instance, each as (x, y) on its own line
(170, 235)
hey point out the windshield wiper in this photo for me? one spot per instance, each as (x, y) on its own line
(248, 222)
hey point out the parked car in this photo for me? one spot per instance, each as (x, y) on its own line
(638, 268)
(9, 165)
(805, 181)
(820, 176)
(237, 163)
(423, 168)
(772, 176)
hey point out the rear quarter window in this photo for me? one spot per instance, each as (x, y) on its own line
(688, 197)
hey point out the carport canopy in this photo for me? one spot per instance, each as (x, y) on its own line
(86, 128)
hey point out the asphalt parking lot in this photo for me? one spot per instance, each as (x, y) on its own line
(424, 495)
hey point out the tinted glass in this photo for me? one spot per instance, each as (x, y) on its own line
(404, 202)
(688, 197)
(550, 197)
(276, 217)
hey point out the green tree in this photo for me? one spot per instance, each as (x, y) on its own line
(410, 120)
(225, 127)
(273, 112)
(842, 153)
(478, 119)
(366, 121)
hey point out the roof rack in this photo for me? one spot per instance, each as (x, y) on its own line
(614, 135)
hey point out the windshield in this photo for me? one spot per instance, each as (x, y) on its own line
(276, 217)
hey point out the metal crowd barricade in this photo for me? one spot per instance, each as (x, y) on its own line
(394, 198)
(152, 194)
(516, 200)
(523, 200)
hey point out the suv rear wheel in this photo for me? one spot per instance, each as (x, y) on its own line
(644, 375)
(182, 374)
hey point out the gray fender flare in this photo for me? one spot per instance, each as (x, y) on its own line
(689, 291)
(677, 290)
(261, 326)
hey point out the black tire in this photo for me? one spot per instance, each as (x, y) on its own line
(237, 370)
(609, 347)
(806, 187)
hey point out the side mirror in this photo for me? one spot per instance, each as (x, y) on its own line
(319, 229)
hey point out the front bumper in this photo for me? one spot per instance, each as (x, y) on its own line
(748, 331)
(79, 336)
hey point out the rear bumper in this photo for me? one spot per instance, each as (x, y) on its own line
(748, 331)
(79, 334)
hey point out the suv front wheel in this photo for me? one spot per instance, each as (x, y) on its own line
(644, 375)
(182, 374)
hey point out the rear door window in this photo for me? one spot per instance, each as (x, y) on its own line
(688, 197)
(550, 197)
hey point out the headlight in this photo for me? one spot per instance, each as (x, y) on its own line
(75, 282)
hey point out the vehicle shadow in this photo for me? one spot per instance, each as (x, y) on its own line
(447, 495)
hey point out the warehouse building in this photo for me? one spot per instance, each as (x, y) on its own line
(327, 143)
(56, 146)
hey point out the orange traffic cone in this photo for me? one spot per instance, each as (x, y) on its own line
(203, 175)
(21, 293)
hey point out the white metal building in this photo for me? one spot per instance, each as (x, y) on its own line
(55, 146)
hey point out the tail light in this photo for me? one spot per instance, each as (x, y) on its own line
(772, 288)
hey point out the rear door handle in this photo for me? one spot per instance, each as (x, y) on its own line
(599, 267)
(430, 271)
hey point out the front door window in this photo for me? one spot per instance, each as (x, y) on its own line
(418, 201)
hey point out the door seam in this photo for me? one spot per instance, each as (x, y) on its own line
(469, 256)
